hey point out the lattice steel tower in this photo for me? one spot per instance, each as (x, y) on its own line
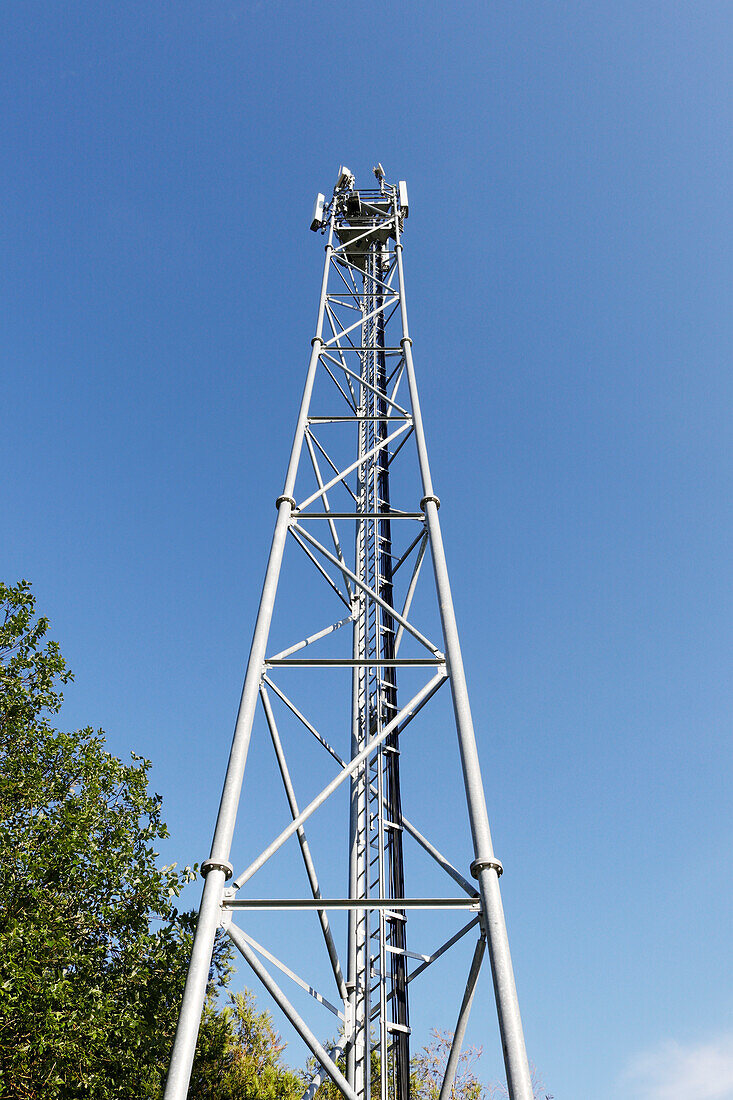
(358, 414)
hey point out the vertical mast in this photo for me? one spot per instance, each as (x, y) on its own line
(377, 947)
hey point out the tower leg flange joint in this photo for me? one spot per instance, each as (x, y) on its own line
(482, 864)
(217, 865)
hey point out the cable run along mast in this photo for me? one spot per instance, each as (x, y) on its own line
(369, 556)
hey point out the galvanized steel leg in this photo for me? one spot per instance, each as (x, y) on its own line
(317, 1079)
(458, 1035)
(485, 866)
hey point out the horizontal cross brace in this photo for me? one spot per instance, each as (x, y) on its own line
(359, 515)
(473, 904)
(355, 662)
(353, 419)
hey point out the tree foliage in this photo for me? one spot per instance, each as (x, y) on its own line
(90, 938)
(240, 1055)
(428, 1070)
(93, 949)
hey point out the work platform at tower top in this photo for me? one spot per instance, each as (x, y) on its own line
(360, 213)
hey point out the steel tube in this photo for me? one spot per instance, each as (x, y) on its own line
(309, 554)
(292, 975)
(318, 1051)
(408, 596)
(320, 903)
(350, 469)
(184, 1045)
(304, 847)
(405, 715)
(443, 948)
(317, 1078)
(458, 1035)
(510, 1022)
(350, 662)
(302, 718)
(311, 638)
(438, 857)
(356, 1052)
(327, 507)
(368, 591)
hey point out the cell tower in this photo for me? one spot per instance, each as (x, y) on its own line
(359, 422)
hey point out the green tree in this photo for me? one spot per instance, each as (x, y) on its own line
(428, 1069)
(91, 943)
(93, 950)
(426, 1073)
(240, 1055)
(327, 1090)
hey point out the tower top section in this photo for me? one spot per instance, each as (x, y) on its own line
(368, 215)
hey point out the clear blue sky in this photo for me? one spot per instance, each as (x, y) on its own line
(568, 260)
